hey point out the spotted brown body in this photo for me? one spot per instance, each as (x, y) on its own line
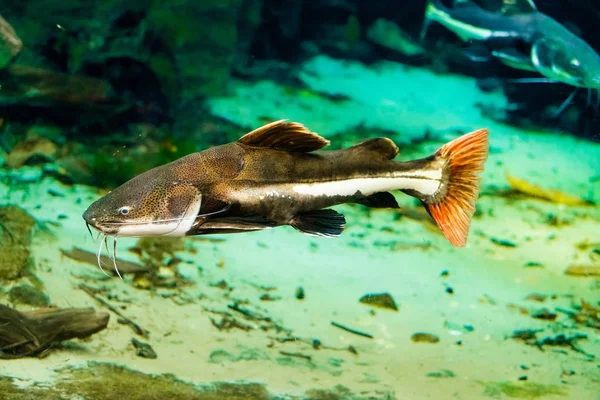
(276, 175)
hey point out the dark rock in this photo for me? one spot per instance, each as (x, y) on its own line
(380, 300)
(143, 350)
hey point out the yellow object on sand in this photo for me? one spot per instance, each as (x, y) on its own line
(553, 195)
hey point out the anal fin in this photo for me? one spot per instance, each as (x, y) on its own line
(379, 200)
(325, 223)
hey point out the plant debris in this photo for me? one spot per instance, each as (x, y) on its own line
(84, 256)
(503, 242)
(316, 344)
(583, 270)
(586, 314)
(529, 336)
(297, 355)
(443, 373)
(551, 195)
(545, 314)
(253, 320)
(379, 300)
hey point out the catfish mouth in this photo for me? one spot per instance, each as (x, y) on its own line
(106, 228)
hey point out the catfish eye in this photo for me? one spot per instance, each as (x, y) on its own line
(124, 210)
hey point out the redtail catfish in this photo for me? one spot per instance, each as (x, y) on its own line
(276, 176)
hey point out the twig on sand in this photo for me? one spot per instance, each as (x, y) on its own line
(354, 331)
(297, 355)
(92, 293)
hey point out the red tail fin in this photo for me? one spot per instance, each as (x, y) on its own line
(464, 159)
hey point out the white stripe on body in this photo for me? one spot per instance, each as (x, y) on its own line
(369, 186)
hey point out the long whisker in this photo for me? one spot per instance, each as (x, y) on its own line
(89, 230)
(99, 251)
(106, 244)
(115, 256)
(564, 104)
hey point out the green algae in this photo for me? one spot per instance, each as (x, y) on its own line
(105, 381)
(101, 381)
(526, 390)
(16, 227)
(29, 295)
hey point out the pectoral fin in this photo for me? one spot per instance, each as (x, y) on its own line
(514, 59)
(552, 59)
(325, 223)
(231, 225)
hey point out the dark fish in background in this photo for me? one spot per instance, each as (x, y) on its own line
(523, 38)
(274, 176)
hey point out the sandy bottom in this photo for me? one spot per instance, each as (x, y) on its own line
(475, 356)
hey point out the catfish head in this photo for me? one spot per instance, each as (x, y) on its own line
(154, 203)
(573, 62)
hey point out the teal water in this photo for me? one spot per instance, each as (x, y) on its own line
(95, 93)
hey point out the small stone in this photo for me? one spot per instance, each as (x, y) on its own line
(531, 264)
(380, 300)
(24, 152)
(545, 314)
(268, 297)
(299, 293)
(143, 350)
(165, 273)
(423, 337)
(142, 282)
(503, 242)
(536, 297)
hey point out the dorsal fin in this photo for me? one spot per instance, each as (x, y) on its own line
(381, 146)
(513, 7)
(284, 135)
